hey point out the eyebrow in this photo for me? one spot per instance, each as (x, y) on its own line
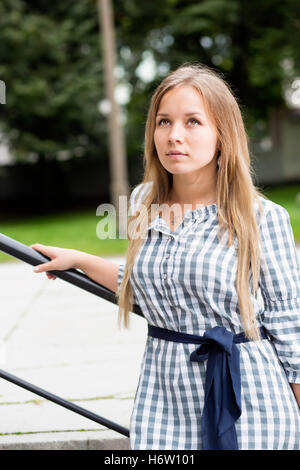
(186, 114)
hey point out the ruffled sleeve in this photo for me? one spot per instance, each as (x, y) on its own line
(280, 288)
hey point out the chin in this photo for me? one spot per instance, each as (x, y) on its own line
(178, 171)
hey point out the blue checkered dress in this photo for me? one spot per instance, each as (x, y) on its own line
(184, 281)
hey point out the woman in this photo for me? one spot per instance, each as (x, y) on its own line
(202, 241)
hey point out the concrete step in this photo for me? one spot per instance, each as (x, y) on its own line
(66, 341)
(85, 440)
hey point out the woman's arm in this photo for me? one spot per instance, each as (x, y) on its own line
(296, 390)
(99, 269)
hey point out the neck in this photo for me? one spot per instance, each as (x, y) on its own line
(189, 190)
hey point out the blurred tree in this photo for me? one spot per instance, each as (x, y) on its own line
(51, 62)
(254, 44)
(250, 42)
(47, 60)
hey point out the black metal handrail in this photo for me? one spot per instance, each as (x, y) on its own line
(29, 255)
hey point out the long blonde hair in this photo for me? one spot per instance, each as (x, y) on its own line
(236, 191)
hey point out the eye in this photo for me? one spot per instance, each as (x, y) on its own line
(162, 121)
(194, 121)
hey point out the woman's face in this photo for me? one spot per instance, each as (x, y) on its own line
(183, 125)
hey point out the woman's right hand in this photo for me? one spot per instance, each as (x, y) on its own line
(61, 259)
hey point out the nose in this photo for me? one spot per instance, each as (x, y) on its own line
(176, 133)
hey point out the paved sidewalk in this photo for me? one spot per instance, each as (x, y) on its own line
(66, 341)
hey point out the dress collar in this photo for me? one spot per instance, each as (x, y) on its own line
(202, 214)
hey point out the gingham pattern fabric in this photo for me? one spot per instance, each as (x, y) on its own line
(184, 281)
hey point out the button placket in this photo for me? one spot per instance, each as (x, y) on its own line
(167, 256)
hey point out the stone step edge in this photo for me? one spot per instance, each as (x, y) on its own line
(76, 441)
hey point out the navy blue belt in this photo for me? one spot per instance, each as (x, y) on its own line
(222, 402)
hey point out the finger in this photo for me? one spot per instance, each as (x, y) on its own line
(46, 250)
(40, 268)
(50, 276)
(36, 246)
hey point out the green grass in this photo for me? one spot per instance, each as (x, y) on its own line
(78, 229)
(69, 230)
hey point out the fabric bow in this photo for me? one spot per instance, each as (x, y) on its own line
(222, 404)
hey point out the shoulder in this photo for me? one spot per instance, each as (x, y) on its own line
(138, 194)
(274, 221)
(272, 210)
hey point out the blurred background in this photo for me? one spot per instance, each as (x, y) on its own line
(56, 139)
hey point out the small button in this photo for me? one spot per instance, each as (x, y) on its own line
(164, 276)
(168, 255)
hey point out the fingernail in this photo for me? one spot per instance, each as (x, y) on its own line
(36, 269)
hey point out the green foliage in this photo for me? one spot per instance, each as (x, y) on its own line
(51, 65)
(247, 41)
(51, 62)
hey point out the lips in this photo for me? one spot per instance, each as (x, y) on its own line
(175, 153)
